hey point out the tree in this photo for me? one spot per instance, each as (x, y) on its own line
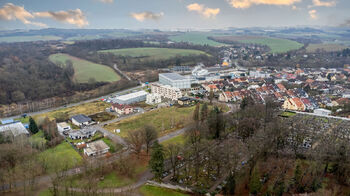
(149, 135)
(204, 112)
(33, 128)
(136, 140)
(216, 123)
(157, 160)
(211, 96)
(196, 112)
(230, 187)
(255, 184)
(172, 151)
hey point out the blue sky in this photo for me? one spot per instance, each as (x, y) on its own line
(171, 14)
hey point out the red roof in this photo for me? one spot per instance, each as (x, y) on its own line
(121, 107)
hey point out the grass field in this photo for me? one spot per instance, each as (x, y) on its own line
(325, 47)
(86, 70)
(164, 120)
(196, 38)
(148, 190)
(275, 44)
(180, 139)
(60, 157)
(12, 39)
(154, 53)
(85, 108)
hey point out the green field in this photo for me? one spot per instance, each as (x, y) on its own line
(276, 45)
(148, 190)
(154, 53)
(325, 47)
(180, 139)
(196, 38)
(12, 39)
(164, 120)
(86, 70)
(60, 157)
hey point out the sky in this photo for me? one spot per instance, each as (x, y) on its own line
(171, 14)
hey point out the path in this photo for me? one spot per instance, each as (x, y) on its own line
(120, 72)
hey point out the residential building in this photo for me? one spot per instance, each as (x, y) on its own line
(96, 148)
(174, 80)
(122, 109)
(294, 104)
(84, 133)
(153, 98)
(81, 120)
(166, 91)
(63, 127)
(185, 101)
(131, 98)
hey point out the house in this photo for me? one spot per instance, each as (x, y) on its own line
(341, 102)
(122, 109)
(96, 148)
(84, 133)
(13, 130)
(211, 87)
(186, 101)
(294, 104)
(153, 98)
(225, 96)
(63, 127)
(81, 120)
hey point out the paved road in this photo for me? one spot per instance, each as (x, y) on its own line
(122, 73)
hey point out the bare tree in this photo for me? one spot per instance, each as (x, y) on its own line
(149, 134)
(172, 152)
(136, 141)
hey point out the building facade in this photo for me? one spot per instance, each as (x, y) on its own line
(153, 98)
(132, 98)
(174, 80)
(166, 91)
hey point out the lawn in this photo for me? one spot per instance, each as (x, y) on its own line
(288, 114)
(276, 45)
(154, 53)
(38, 139)
(180, 139)
(148, 190)
(86, 71)
(325, 47)
(23, 120)
(164, 120)
(112, 146)
(85, 108)
(60, 157)
(12, 39)
(114, 180)
(196, 38)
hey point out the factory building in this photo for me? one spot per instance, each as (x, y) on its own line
(131, 98)
(174, 80)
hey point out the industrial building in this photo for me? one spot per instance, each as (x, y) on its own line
(132, 98)
(174, 80)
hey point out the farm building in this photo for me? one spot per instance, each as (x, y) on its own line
(175, 80)
(13, 130)
(96, 148)
(131, 98)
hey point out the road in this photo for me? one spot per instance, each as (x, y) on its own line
(120, 72)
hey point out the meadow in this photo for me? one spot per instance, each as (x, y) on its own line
(196, 38)
(276, 45)
(154, 53)
(13, 39)
(325, 47)
(84, 70)
(148, 190)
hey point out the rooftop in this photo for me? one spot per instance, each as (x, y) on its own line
(81, 118)
(15, 128)
(173, 76)
(132, 95)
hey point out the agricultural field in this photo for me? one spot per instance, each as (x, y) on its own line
(60, 157)
(196, 38)
(13, 39)
(154, 53)
(148, 190)
(85, 71)
(325, 47)
(164, 120)
(85, 108)
(276, 45)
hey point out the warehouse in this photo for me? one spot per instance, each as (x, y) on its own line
(132, 98)
(175, 80)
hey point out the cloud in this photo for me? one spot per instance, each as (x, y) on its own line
(204, 11)
(248, 3)
(74, 17)
(13, 12)
(313, 14)
(319, 3)
(141, 16)
(107, 1)
(346, 23)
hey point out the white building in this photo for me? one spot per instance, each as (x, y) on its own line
(63, 127)
(174, 80)
(13, 130)
(322, 112)
(96, 148)
(153, 98)
(132, 98)
(166, 91)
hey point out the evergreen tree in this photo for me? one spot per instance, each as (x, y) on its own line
(157, 160)
(33, 128)
(231, 185)
(204, 112)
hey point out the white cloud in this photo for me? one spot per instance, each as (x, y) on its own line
(319, 3)
(74, 17)
(13, 12)
(107, 1)
(141, 16)
(248, 3)
(204, 11)
(313, 14)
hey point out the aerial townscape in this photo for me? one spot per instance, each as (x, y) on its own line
(175, 98)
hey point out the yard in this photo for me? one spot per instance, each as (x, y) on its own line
(61, 157)
(102, 117)
(86, 71)
(85, 108)
(148, 190)
(154, 53)
(164, 120)
(288, 114)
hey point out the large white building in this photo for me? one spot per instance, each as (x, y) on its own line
(166, 91)
(153, 98)
(132, 98)
(175, 80)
